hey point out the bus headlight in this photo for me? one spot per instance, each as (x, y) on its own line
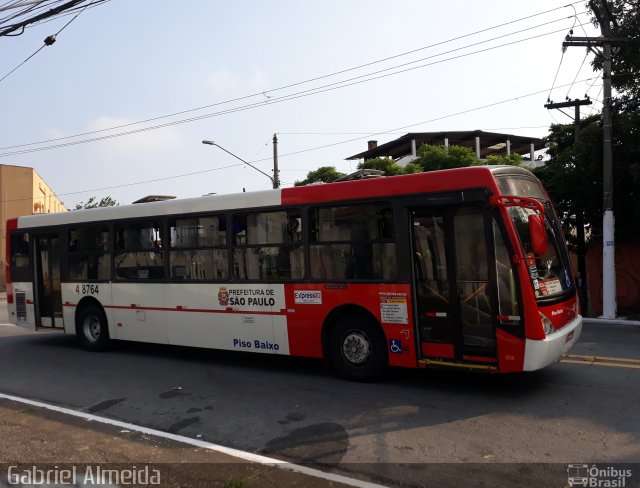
(547, 325)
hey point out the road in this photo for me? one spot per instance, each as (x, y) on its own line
(472, 426)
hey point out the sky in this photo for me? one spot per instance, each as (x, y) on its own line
(248, 65)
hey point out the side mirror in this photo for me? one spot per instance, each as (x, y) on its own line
(538, 234)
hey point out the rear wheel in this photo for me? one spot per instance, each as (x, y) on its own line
(357, 349)
(92, 328)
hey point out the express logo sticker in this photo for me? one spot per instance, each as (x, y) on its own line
(307, 297)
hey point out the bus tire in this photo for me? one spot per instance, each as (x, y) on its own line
(357, 349)
(92, 328)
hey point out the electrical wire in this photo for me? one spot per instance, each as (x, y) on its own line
(47, 42)
(66, 13)
(577, 73)
(261, 94)
(436, 119)
(51, 12)
(316, 148)
(555, 77)
(313, 91)
(23, 62)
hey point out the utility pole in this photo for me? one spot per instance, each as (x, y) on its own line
(603, 15)
(581, 248)
(276, 171)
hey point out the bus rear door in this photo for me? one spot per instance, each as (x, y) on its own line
(48, 292)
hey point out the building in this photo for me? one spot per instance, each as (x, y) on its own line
(22, 192)
(404, 149)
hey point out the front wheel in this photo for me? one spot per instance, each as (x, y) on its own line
(357, 349)
(92, 328)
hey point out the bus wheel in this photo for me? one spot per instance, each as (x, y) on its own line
(92, 329)
(357, 349)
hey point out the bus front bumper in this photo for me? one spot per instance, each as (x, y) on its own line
(538, 354)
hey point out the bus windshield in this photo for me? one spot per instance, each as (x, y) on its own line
(549, 273)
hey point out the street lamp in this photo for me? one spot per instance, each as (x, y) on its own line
(274, 182)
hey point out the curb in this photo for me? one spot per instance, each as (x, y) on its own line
(617, 322)
(236, 453)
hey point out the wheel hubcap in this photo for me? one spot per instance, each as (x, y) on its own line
(356, 347)
(91, 328)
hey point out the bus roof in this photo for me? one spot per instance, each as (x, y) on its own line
(433, 181)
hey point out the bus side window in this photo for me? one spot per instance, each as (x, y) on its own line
(139, 255)
(352, 242)
(20, 249)
(88, 257)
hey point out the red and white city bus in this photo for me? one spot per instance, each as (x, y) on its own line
(462, 268)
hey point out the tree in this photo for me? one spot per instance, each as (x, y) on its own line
(502, 159)
(573, 176)
(92, 203)
(325, 174)
(625, 64)
(389, 166)
(431, 158)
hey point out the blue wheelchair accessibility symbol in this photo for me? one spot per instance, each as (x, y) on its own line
(395, 346)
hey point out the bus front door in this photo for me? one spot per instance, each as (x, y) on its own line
(453, 290)
(48, 292)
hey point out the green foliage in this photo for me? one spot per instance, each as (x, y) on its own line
(236, 482)
(325, 174)
(573, 176)
(387, 165)
(625, 64)
(92, 203)
(503, 159)
(431, 158)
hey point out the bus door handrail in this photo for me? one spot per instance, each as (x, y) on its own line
(505, 201)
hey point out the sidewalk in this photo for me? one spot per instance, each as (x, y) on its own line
(616, 321)
(31, 436)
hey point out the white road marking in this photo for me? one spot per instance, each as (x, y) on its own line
(247, 456)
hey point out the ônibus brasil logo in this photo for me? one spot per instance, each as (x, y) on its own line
(597, 477)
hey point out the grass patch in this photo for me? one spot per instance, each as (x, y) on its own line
(237, 482)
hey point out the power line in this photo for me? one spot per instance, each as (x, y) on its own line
(44, 15)
(555, 77)
(475, 109)
(390, 131)
(301, 82)
(125, 185)
(313, 91)
(586, 55)
(316, 148)
(23, 62)
(49, 40)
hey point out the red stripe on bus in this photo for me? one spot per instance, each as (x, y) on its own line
(182, 309)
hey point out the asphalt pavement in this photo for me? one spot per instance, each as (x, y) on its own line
(414, 428)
